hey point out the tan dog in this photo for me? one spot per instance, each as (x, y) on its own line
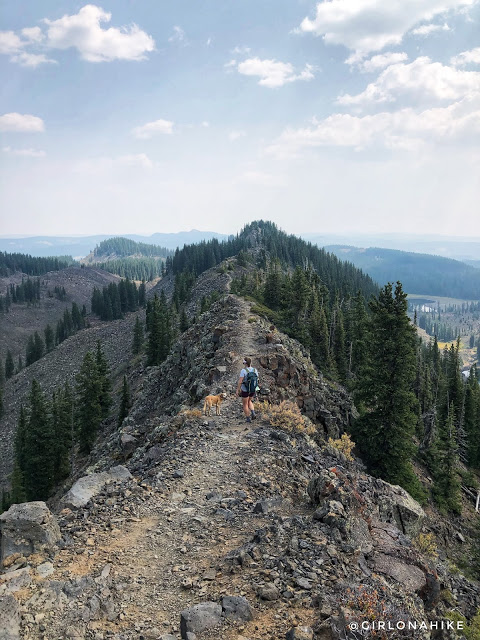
(211, 401)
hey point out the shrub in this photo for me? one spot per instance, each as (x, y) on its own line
(426, 544)
(344, 444)
(286, 415)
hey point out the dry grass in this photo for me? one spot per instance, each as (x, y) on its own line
(190, 414)
(286, 415)
(344, 444)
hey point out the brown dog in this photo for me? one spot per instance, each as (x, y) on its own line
(211, 401)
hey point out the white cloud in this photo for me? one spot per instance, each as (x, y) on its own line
(83, 31)
(239, 51)
(135, 160)
(17, 122)
(236, 135)
(9, 42)
(153, 128)
(178, 36)
(381, 61)
(370, 25)
(205, 124)
(421, 79)
(33, 34)
(30, 153)
(404, 129)
(273, 73)
(467, 57)
(32, 60)
(427, 29)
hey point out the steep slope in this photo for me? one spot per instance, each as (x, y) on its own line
(57, 367)
(23, 320)
(216, 508)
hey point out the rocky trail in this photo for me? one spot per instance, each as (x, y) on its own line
(212, 527)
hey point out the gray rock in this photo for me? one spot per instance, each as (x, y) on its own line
(15, 580)
(358, 534)
(237, 608)
(191, 636)
(28, 528)
(303, 583)
(409, 576)
(9, 618)
(300, 633)
(269, 592)
(178, 473)
(45, 569)
(397, 505)
(89, 486)
(199, 618)
(167, 636)
(266, 505)
(128, 444)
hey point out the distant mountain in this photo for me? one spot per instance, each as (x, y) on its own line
(81, 246)
(458, 248)
(419, 273)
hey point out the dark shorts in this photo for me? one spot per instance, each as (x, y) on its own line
(245, 394)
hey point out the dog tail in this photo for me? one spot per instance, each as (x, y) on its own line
(205, 406)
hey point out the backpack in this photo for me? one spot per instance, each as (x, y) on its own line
(251, 381)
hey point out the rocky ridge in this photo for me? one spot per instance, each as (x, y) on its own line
(212, 527)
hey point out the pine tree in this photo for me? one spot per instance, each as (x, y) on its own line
(17, 482)
(385, 429)
(446, 490)
(103, 372)
(137, 344)
(49, 338)
(319, 336)
(472, 419)
(39, 449)
(183, 321)
(9, 365)
(62, 415)
(89, 411)
(125, 402)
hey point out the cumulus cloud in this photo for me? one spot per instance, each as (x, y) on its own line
(365, 26)
(421, 79)
(17, 122)
(31, 60)
(33, 34)
(10, 42)
(467, 57)
(153, 128)
(272, 73)
(427, 29)
(30, 153)
(84, 32)
(404, 129)
(380, 61)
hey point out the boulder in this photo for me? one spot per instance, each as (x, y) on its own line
(90, 486)
(9, 618)
(28, 528)
(269, 592)
(236, 608)
(358, 534)
(409, 576)
(15, 580)
(397, 505)
(128, 444)
(300, 633)
(199, 618)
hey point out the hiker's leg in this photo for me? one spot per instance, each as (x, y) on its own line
(250, 404)
(246, 409)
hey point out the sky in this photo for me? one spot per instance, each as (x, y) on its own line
(142, 116)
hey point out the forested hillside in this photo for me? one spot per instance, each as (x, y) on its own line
(419, 273)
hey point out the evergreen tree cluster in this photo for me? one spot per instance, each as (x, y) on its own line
(50, 430)
(71, 322)
(123, 247)
(26, 292)
(13, 262)
(116, 299)
(146, 269)
(161, 324)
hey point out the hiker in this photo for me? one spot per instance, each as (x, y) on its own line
(247, 387)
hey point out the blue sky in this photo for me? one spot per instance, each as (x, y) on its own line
(332, 117)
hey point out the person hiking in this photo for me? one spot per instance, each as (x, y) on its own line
(247, 387)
